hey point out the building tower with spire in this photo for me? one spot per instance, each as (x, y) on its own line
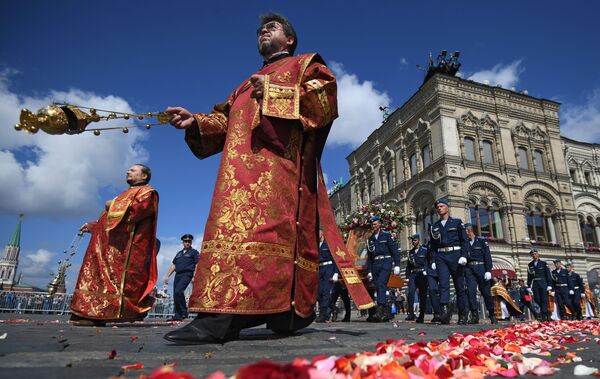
(10, 259)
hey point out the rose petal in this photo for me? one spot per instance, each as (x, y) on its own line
(584, 370)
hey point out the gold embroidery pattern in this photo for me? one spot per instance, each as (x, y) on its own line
(350, 275)
(307, 265)
(224, 285)
(281, 101)
(284, 77)
(340, 253)
(245, 248)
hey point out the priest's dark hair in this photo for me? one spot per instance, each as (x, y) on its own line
(288, 29)
(145, 170)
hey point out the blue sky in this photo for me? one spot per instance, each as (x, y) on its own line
(144, 56)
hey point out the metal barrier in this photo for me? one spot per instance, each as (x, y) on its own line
(43, 303)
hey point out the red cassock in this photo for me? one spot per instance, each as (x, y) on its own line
(260, 246)
(119, 271)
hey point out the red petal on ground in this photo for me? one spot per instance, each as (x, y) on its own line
(135, 366)
(112, 354)
(133, 338)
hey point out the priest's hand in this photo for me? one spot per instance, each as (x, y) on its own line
(258, 82)
(487, 276)
(335, 277)
(180, 118)
(370, 277)
(84, 228)
(462, 261)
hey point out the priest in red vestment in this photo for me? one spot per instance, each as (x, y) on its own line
(119, 271)
(259, 260)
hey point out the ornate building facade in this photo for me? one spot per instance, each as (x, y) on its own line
(498, 156)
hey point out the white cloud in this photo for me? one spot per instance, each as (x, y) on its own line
(358, 107)
(60, 175)
(506, 76)
(582, 122)
(36, 267)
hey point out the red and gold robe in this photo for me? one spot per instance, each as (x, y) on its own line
(499, 293)
(260, 247)
(119, 270)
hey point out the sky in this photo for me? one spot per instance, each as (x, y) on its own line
(142, 56)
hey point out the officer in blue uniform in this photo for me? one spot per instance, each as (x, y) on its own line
(416, 273)
(525, 296)
(328, 275)
(433, 287)
(450, 244)
(560, 276)
(382, 258)
(184, 265)
(540, 281)
(478, 274)
(576, 290)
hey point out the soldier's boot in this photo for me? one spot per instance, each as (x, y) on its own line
(382, 313)
(474, 318)
(493, 318)
(322, 316)
(548, 317)
(436, 318)
(372, 316)
(334, 313)
(421, 318)
(410, 317)
(445, 315)
(462, 318)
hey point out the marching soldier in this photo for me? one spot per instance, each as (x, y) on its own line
(382, 256)
(561, 287)
(540, 281)
(328, 275)
(433, 287)
(450, 245)
(184, 265)
(478, 274)
(576, 290)
(416, 273)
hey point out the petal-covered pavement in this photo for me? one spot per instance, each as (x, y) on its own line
(43, 346)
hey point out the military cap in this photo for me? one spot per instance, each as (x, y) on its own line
(569, 264)
(375, 218)
(532, 251)
(415, 236)
(557, 260)
(187, 237)
(468, 225)
(441, 201)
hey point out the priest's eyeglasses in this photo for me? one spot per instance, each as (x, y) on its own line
(271, 26)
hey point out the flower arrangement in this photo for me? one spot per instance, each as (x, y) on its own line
(392, 220)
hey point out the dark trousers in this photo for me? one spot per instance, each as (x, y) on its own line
(540, 295)
(562, 299)
(527, 304)
(474, 277)
(434, 293)
(221, 325)
(382, 268)
(417, 280)
(340, 290)
(325, 287)
(576, 302)
(447, 266)
(182, 280)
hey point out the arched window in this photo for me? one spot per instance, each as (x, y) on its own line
(488, 152)
(413, 165)
(363, 197)
(588, 232)
(390, 179)
(539, 161)
(426, 155)
(541, 223)
(487, 219)
(371, 190)
(469, 149)
(523, 158)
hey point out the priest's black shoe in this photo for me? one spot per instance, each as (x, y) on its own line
(462, 319)
(191, 335)
(410, 317)
(420, 319)
(493, 319)
(436, 319)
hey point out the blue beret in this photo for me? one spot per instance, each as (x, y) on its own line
(375, 218)
(415, 236)
(441, 201)
(468, 225)
(557, 261)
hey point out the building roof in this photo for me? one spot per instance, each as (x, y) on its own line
(16, 237)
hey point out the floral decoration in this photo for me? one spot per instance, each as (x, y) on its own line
(392, 219)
